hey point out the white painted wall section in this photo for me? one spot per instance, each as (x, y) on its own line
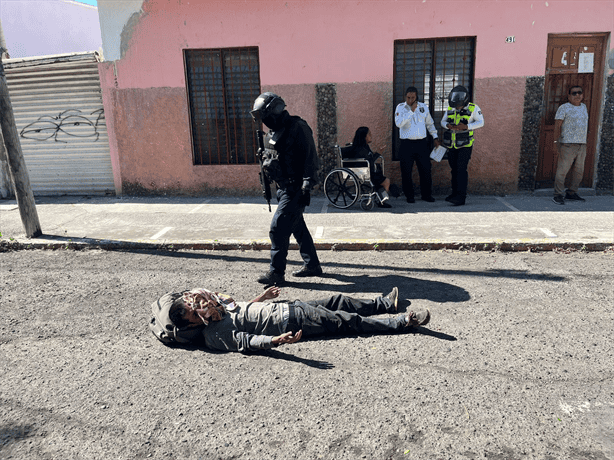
(114, 16)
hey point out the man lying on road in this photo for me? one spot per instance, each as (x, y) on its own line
(260, 324)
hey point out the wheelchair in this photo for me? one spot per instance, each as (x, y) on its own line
(350, 181)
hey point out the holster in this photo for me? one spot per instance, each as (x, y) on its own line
(462, 139)
(447, 139)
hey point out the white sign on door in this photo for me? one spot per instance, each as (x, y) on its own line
(586, 62)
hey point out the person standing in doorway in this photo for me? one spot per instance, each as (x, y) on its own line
(460, 120)
(570, 130)
(413, 119)
(292, 163)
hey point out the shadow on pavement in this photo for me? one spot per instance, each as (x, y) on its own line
(315, 363)
(276, 354)
(495, 273)
(409, 287)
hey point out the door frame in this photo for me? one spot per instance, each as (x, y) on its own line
(546, 144)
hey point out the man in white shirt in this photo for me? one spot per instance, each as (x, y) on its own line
(413, 120)
(570, 129)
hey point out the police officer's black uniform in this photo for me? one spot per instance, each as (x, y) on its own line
(291, 161)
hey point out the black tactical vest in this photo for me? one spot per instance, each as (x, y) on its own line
(271, 161)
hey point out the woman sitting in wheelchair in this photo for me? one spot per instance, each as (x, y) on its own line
(360, 149)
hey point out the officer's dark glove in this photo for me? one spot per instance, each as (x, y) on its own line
(305, 198)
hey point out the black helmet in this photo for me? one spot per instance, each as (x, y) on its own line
(266, 105)
(459, 96)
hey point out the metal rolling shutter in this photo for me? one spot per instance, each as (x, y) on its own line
(59, 115)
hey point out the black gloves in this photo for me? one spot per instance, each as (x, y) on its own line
(305, 198)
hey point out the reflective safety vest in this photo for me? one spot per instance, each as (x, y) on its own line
(455, 139)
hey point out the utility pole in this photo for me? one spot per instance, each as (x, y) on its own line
(17, 166)
(5, 187)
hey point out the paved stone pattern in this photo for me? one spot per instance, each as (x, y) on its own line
(326, 106)
(605, 166)
(531, 122)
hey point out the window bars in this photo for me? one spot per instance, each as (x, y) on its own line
(434, 66)
(222, 85)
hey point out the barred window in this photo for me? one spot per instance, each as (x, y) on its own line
(434, 67)
(222, 86)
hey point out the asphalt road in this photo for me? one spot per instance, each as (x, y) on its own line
(517, 362)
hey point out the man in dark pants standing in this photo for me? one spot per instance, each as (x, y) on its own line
(291, 161)
(461, 118)
(413, 120)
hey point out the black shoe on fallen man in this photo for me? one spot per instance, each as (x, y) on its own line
(418, 318)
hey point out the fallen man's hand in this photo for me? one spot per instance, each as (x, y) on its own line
(287, 337)
(271, 293)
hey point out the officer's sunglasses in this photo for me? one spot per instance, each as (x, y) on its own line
(575, 93)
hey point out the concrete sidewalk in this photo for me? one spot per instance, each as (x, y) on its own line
(517, 222)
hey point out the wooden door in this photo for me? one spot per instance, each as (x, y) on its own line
(568, 64)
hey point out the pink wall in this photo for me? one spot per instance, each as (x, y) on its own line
(306, 42)
(494, 163)
(340, 41)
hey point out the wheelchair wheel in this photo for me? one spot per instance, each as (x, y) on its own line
(367, 203)
(342, 188)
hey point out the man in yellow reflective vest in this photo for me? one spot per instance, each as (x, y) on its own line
(460, 120)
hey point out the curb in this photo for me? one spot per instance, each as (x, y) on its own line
(6, 246)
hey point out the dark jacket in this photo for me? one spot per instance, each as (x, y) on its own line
(249, 326)
(297, 152)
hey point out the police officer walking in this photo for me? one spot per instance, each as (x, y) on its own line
(461, 118)
(290, 160)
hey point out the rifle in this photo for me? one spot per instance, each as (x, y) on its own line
(264, 180)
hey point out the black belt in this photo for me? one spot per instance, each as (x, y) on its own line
(289, 185)
(292, 320)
